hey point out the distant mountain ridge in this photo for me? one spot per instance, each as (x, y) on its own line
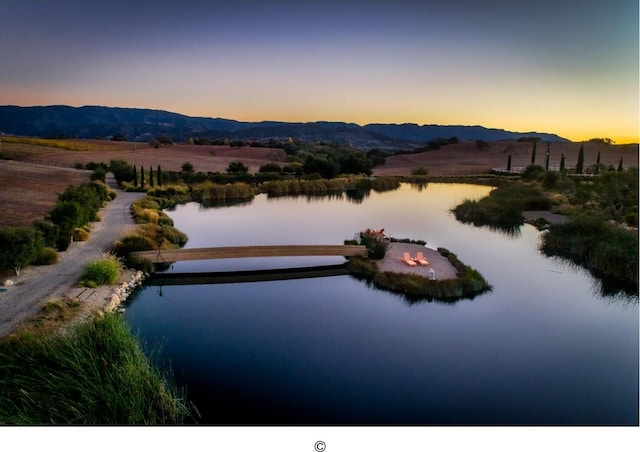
(144, 124)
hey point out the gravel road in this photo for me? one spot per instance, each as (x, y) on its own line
(37, 284)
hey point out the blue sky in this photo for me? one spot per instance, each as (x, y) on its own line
(568, 67)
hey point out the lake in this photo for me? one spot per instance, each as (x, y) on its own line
(544, 347)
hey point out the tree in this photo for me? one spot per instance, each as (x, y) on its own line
(164, 140)
(135, 176)
(122, 171)
(270, 168)
(151, 176)
(325, 167)
(187, 167)
(580, 164)
(562, 163)
(598, 164)
(19, 246)
(620, 165)
(546, 164)
(509, 163)
(142, 176)
(237, 167)
(355, 162)
(159, 174)
(119, 137)
(533, 153)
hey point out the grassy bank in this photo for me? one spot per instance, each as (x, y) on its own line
(503, 208)
(607, 250)
(96, 375)
(601, 232)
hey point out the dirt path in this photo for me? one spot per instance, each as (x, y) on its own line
(36, 285)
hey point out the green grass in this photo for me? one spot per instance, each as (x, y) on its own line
(97, 375)
(606, 249)
(103, 271)
(503, 208)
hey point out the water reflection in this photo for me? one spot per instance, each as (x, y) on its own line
(539, 349)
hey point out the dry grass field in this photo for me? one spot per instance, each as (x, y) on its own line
(203, 158)
(466, 158)
(28, 191)
(31, 182)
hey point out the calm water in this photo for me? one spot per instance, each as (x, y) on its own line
(544, 347)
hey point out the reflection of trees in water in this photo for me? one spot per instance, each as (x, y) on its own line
(419, 186)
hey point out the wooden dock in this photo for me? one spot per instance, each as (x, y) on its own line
(232, 252)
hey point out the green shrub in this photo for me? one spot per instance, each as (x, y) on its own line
(46, 256)
(19, 246)
(103, 271)
(533, 172)
(420, 171)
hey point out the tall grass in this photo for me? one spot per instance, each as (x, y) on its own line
(97, 375)
(503, 207)
(588, 241)
(212, 193)
(296, 187)
(105, 270)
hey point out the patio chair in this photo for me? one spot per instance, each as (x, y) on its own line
(420, 259)
(406, 258)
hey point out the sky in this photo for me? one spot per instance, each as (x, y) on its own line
(568, 67)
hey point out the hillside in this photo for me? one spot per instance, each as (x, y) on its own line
(141, 125)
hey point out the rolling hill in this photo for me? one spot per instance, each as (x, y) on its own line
(144, 124)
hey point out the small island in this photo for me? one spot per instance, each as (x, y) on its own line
(440, 276)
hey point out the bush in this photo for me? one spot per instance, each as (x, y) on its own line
(46, 256)
(532, 172)
(19, 246)
(80, 235)
(420, 171)
(103, 271)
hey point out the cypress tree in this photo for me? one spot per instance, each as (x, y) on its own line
(151, 176)
(580, 164)
(533, 154)
(159, 176)
(620, 165)
(546, 164)
(509, 163)
(142, 176)
(135, 176)
(598, 163)
(562, 163)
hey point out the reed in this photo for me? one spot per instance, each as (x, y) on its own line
(96, 375)
(503, 207)
(606, 249)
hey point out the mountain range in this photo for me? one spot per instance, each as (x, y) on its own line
(56, 121)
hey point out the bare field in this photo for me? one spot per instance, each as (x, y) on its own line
(28, 191)
(203, 158)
